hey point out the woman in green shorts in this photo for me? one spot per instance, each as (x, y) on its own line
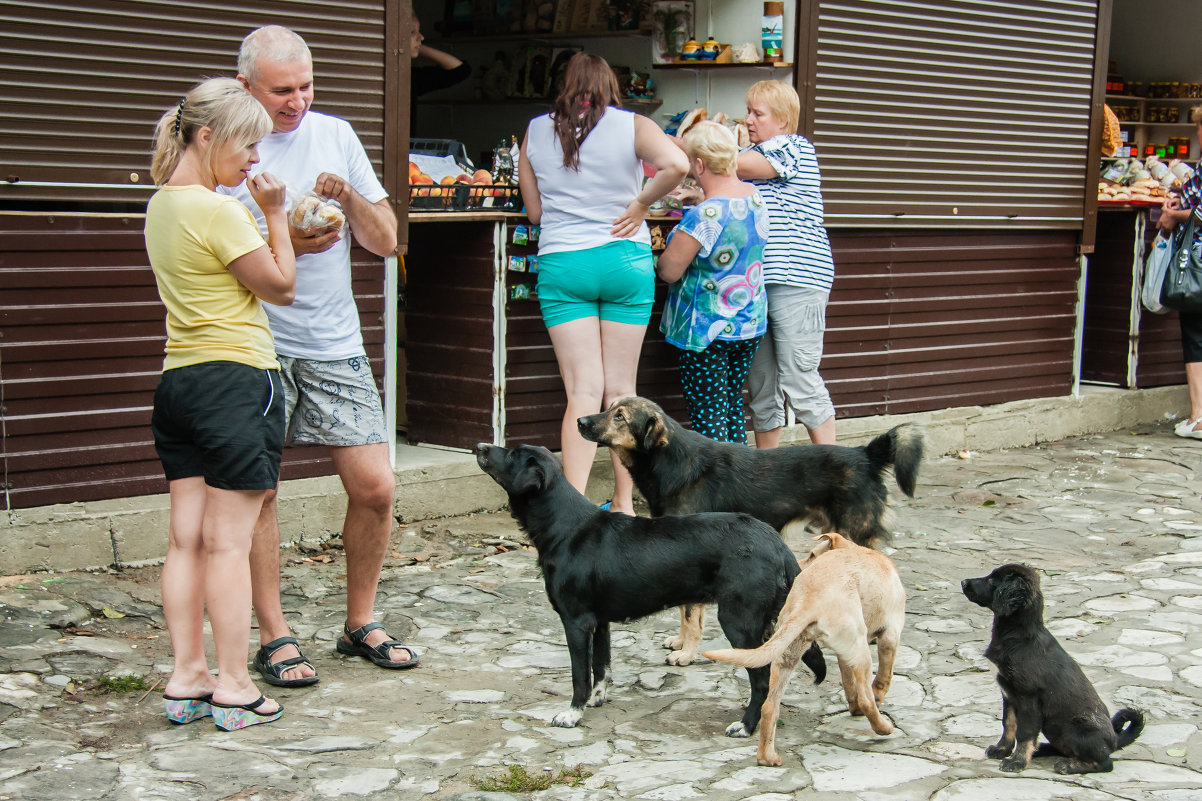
(581, 176)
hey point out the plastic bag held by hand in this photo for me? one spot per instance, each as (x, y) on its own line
(312, 214)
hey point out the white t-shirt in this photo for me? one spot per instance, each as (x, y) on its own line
(579, 208)
(323, 322)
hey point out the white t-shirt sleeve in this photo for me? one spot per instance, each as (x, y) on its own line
(362, 175)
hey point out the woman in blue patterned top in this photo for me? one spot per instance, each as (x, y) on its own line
(1175, 212)
(716, 310)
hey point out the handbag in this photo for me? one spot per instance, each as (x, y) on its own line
(1182, 288)
(1155, 267)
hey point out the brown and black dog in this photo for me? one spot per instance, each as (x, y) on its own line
(1043, 688)
(846, 597)
(679, 471)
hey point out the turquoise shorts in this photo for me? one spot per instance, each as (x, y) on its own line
(614, 282)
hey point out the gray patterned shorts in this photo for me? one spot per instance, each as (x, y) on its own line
(332, 403)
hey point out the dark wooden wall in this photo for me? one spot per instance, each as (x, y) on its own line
(918, 321)
(1108, 302)
(81, 349)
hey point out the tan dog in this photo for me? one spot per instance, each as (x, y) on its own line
(845, 597)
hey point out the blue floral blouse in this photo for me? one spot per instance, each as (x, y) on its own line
(721, 294)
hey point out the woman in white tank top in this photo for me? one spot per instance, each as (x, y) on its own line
(581, 177)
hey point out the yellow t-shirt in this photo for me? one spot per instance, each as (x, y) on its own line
(192, 233)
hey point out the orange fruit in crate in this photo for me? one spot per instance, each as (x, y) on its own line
(413, 169)
(420, 178)
(463, 179)
(446, 180)
(482, 177)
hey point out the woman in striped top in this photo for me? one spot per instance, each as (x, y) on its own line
(798, 269)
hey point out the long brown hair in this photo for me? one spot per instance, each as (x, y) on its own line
(589, 86)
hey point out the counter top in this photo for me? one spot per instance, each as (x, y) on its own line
(464, 216)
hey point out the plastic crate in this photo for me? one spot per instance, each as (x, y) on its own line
(464, 197)
(440, 147)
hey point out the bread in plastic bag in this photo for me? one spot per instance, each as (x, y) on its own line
(313, 214)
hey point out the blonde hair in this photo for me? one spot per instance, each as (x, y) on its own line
(1195, 115)
(781, 99)
(274, 43)
(223, 105)
(715, 145)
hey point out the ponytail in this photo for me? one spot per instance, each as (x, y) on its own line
(221, 104)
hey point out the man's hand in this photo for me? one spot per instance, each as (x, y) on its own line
(333, 187)
(313, 243)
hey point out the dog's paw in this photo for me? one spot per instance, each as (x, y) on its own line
(770, 760)
(998, 751)
(674, 643)
(1011, 765)
(681, 658)
(567, 719)
(599, 695)
(737, 729)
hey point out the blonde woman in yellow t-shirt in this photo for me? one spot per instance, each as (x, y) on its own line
(218, 418)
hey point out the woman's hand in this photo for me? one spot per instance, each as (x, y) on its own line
(631, 220)
(1171, 215)
(268, 192)
(688, 196)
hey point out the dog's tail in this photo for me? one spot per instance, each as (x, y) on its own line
(900, 446)
(1128, 724)
(767, 653)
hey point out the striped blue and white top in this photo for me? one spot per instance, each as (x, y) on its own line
(798, 251)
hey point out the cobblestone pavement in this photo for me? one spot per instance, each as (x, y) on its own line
(1114, 521)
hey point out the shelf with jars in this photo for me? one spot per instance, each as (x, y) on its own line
(1139, 115)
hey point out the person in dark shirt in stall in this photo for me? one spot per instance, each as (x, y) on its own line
(446, 71)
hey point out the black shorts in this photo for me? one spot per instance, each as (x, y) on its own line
(1191, 337)
(223, 421)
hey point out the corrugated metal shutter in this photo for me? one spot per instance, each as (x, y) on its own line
(938, 113)
(84, 83)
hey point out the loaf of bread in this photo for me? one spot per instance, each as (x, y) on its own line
(312, 215)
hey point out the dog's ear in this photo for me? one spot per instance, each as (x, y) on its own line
(531, 477)
(1013, 593)
(655, 434)
(825, 543)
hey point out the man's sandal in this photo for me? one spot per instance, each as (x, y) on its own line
(273, 672)
(354, 643)
(229, 717)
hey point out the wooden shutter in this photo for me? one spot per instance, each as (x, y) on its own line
(84, 83)
(961, 113)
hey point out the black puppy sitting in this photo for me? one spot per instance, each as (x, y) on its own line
(1043, 688)
(601, 567)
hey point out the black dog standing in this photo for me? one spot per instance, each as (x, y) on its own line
(601, 567)
(1043, 688)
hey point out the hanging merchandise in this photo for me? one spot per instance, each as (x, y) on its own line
(773, 30)
(672, 26)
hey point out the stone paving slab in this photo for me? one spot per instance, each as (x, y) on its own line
(1114, 521)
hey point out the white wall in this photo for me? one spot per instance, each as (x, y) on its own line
(722, 89)
(1157, 40)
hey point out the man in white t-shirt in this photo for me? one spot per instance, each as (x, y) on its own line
(332, 398)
